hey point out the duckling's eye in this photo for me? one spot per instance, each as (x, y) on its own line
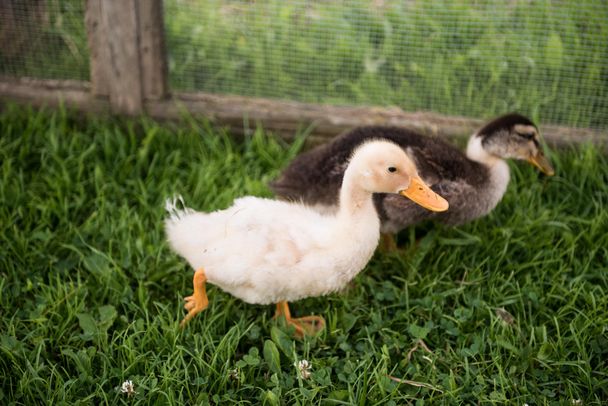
(528, 136)
(392, 169)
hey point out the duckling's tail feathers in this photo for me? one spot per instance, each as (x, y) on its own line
(176, 208)
(183, 228)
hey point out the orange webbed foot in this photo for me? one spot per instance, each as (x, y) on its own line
(304, 326)
(309, 325)
(388, 244)
(198, 301)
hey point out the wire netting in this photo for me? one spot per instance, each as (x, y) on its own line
(548, 59)
(43, 39)
(478, 58)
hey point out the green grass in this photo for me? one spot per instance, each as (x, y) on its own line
(91, 295)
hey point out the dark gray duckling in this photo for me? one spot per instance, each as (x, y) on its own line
(473, 184)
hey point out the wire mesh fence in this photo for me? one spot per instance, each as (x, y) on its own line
(43, 39)
(477, 58)
(548, 59)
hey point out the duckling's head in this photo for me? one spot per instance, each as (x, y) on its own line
(384, 167)
(511, 136)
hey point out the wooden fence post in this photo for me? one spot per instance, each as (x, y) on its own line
(152, 51)
(128, 59)
(97, 49)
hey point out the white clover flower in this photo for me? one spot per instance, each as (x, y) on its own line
(234, 374)
(128, 388)
(304, 368)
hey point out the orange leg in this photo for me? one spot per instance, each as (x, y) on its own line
(309, 325)
(198, 301)
(388, 243)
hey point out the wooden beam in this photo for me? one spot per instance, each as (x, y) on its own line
(52, 93)
(128, 57)
(152, 49)
(242, 114)
(98, 49)
(120, 29)
(327, 121)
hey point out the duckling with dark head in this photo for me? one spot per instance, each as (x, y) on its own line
(473, 184)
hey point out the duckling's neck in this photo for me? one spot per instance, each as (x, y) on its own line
(498, 171)
(355, 201)
(477, 153)
(356, 204)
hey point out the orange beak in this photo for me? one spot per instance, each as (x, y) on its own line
(421, 194)
(542, 163)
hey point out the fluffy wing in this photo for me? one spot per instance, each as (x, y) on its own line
(260, 235)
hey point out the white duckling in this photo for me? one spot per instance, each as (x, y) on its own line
(268, 251)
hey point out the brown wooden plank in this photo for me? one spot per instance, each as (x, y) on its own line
(327, 121)
(242, 114)
(152, 49)
(52, 93)
(98, 49)
(120, 28)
